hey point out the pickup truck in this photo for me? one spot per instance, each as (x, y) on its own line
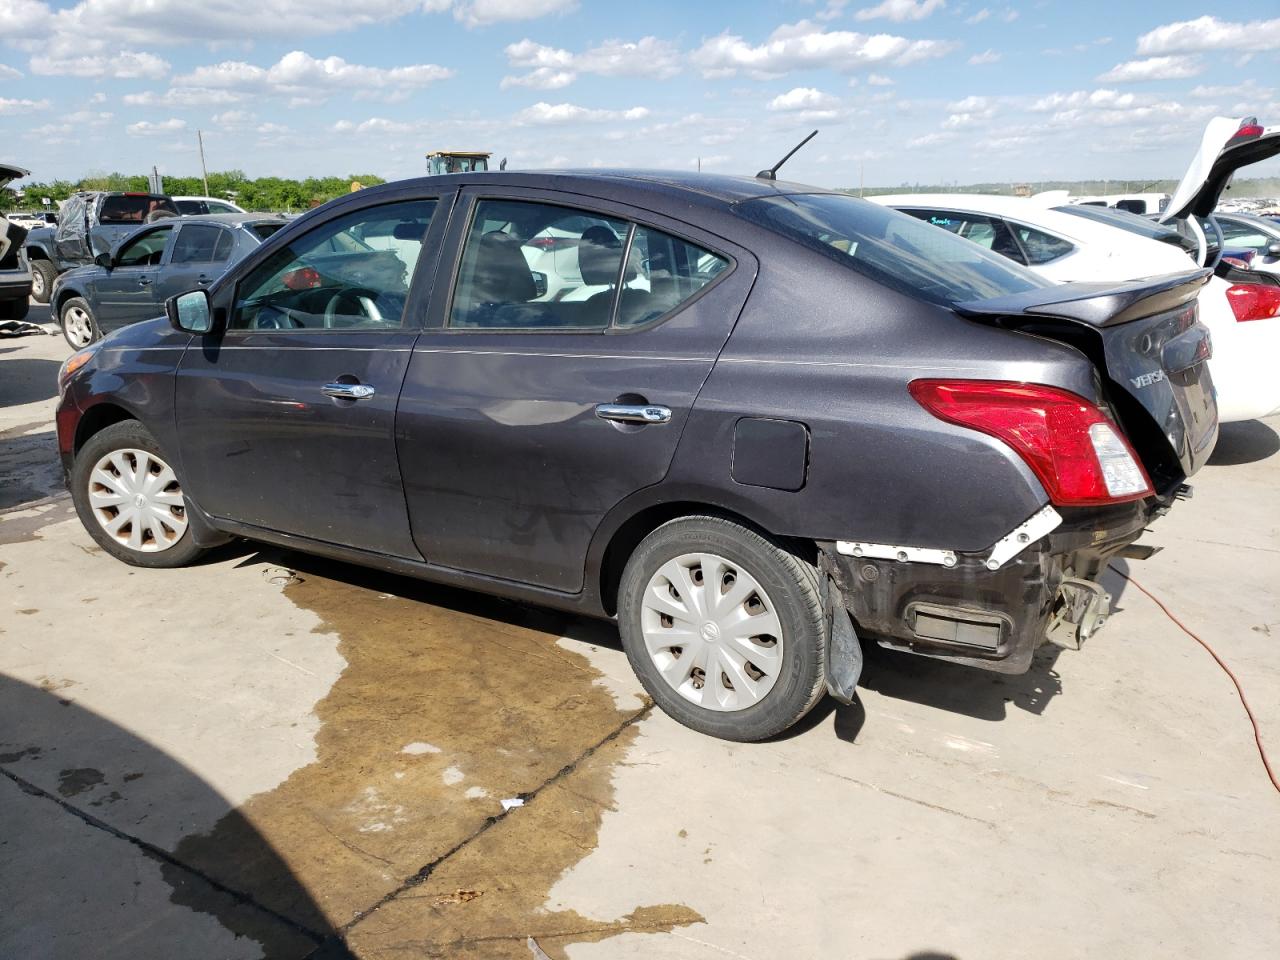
(90, 224)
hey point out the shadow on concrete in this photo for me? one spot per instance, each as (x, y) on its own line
(32, 470)
(28, 380)
(35, 921)
(1246, 442)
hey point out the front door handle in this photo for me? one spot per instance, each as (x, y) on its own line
(144, 281)
(348, 391)
(202, 280)
(633, 413)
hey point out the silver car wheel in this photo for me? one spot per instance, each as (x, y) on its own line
(37, 284)
(712, 632)
(136, 498)
(79, 326)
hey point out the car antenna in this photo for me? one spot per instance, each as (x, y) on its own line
(772, 172)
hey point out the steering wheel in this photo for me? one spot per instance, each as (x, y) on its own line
(365, 303)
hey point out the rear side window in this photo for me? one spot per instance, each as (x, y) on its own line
(131, 209)
(891, 248)
(1041, 247)
(539, 266)
(990, 232)
(199, 243)
(264, 230)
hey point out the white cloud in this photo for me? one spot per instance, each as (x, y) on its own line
(553, 113)
(978, 17)
(879, 80)
(804, 98)
(1110, 108)
(21, 18)
(1210, 33)
(298, 76)
(1009, 15)
(8, 107)
(146, 128)
(805, 45)
(8, 73)
(184, 97)
(931, 139)
(124, 65)
(969, 112)
(481, 13)
(550, 68)
(900, 10)
(1154, 68)
(987, 56)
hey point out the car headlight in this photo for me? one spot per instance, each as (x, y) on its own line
(74, 363)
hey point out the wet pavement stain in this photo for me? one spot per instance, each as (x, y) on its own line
(441, 713)
(74, 782)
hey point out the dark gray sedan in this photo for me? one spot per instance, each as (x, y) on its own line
(759, 424)
(132, 282)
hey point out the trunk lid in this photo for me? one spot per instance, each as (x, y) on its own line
(10, 173)
(1146, 341)
(1228, 144)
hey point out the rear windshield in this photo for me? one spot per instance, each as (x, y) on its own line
(264, 230)
(891, 248)
(134, 209)
(1130, 222)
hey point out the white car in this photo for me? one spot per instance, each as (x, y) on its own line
(199, 206)
(1243, 231)
(1077, 242)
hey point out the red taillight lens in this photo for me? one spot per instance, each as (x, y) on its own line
(1253, 301)
(1248, 131)
(304, 278)
(1079, 455)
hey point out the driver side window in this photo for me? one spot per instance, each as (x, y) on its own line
(146, 250)
(352, 273)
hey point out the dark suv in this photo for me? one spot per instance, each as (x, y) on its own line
(756, 422)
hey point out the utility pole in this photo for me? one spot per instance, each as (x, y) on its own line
(699, 164)
(204, 174)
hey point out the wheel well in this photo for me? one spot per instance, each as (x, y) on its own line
(628, 536)
(35, 253)
(56, 306)
(98, 418)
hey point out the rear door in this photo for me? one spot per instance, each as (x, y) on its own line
(288, 416)
(127, 292)
(200, 254)
(534, 404)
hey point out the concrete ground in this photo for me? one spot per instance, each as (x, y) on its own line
(273, 755)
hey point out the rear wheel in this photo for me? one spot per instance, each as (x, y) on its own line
(130, 499)
(78, 323)
(724, 628)
(42, 276)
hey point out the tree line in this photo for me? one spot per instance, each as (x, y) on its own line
(263, 193)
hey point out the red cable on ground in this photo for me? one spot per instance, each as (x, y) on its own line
(1257, 735)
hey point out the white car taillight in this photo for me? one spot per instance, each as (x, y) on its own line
(1120, 472)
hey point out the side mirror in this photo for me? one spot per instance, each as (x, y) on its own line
(104, 260)
(190, 312)
(1273, 248)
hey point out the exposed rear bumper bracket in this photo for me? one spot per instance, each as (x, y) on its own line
(1082, 607)
(1040, 524)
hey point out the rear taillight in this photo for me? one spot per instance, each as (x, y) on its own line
(1253, 301)
(1078, 454)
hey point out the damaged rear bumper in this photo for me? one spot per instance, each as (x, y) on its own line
(971, 609)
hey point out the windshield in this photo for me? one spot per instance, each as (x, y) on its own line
(893, 249)
(1131, 223)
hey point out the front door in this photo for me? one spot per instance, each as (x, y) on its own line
(127, 293)
(287, 417)
(556, 379)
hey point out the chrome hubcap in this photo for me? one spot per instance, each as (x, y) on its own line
(136, 498)
(37, 283)
(78, 326)
(712, 632)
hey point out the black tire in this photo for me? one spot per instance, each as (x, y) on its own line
(126, 435)
(78, 303)
(15, 309)
(42, 276)
(793, 588)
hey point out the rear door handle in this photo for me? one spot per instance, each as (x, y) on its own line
(144, 281)
(348, 391)
(633, 413)
(202, 280)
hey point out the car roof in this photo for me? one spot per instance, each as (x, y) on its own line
(723, 188)
(227, 219)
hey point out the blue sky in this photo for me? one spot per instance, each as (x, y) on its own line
(903, 90)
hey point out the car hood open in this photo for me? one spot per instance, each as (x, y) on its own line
(10, 173)
(1228, 144)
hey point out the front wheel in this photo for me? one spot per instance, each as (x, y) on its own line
(130, 500)
(724, 628)
(78, 324)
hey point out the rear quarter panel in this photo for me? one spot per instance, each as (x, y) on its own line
(819, 344)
